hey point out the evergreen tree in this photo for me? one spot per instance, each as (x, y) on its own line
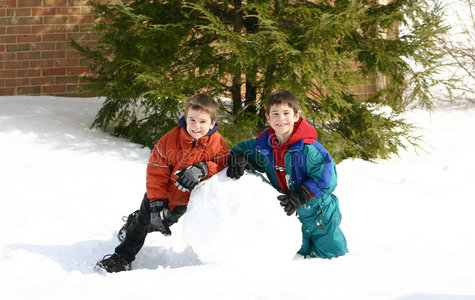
(152, 55)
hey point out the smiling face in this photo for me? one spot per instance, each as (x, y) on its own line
(198, 123)
(282, 118)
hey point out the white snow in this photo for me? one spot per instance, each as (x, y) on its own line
(64, 189)
(239, 223)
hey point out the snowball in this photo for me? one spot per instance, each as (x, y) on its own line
(235, 222)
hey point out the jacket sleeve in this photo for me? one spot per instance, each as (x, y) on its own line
(257, 160)
(158, 172)
(220, 159)
(321, 171)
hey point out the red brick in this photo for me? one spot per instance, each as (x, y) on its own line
(38, 64)
(18, 29)
(55, 20)
(43, 46)
(8, 74)
(87, 44)
(43, 29)
(28, 38)
(8, 39)
(77, 2)
(54, 71)
(42, 80)
(66, 80)
(63, 46)
(77, 71)
(67, 28)
(17, 64)
(7, 56)
(73, 54)
(53, 37)
(29, 3)
(17, 82)
(53, 54)
(85, 36)
(55, 2)
(43, 11)
(27, 55)
(80, 19)
(7, 3)
(66, 62)
(7, 91)
(5, 21)
(30, 20)
(19, 12)
(68, 11)
(86, 10)
(28, 90)
(54, 89)
(28, 73)
(18, 47)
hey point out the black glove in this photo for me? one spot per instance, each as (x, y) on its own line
(158, 212)
(294, 199)
(172, 217)
(189, 177)
(237, 163)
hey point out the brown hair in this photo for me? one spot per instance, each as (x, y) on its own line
(202, 102)
(282, 96)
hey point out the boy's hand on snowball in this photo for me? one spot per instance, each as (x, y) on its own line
(189, 177)
(238, 162)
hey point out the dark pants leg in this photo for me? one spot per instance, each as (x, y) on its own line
(139, 228)
(175, 214)
(136, 233)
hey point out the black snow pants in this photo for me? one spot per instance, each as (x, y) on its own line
(140, 227)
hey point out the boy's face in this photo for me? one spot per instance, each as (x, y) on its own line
(198, 123)
(281, 118)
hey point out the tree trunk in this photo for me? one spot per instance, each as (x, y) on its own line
(251, 96)
(236, 87)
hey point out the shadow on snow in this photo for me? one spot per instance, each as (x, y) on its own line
(82, 256)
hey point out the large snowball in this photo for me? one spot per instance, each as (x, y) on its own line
(234, 222)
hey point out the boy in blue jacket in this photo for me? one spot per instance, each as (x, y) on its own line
(300, 168)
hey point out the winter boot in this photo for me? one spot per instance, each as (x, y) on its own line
(112, 263)
(128, 220)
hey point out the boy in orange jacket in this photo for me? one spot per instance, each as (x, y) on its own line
(191, 152)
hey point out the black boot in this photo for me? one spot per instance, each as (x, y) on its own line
(112, 263)
(128, 220)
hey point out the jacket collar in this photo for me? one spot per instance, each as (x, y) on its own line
(264, 141)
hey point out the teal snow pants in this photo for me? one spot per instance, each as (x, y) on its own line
(321, 233)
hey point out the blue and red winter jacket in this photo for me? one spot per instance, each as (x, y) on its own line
(302, 159)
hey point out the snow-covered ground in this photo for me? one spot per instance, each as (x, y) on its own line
(64, 189)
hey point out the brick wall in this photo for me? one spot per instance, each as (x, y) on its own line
(35, 55)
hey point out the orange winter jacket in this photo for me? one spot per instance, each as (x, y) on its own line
(177, 150)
